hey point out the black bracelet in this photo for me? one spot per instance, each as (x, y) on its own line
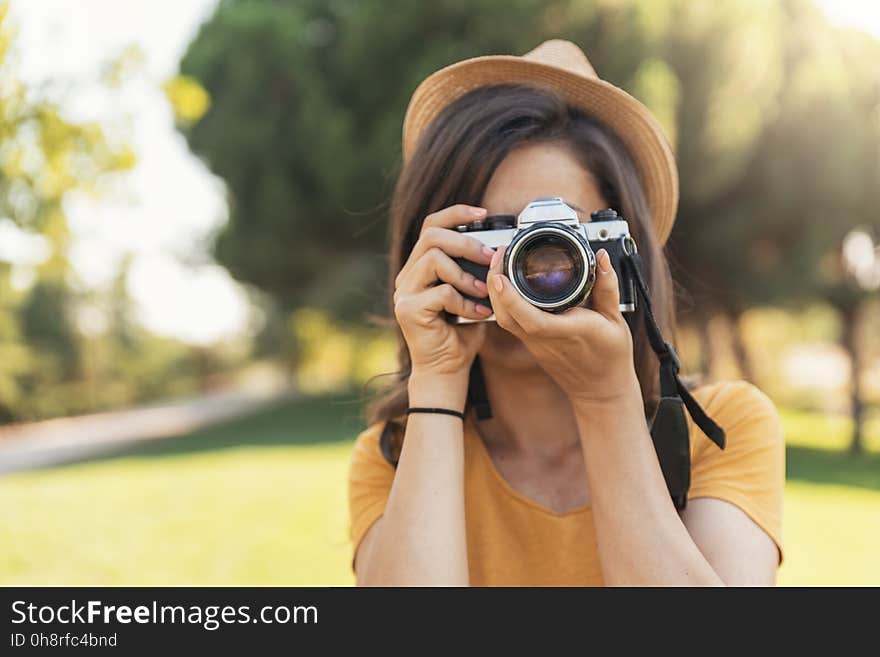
(443, 411)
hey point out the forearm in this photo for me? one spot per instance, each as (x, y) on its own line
(641, 538)
(422, 538)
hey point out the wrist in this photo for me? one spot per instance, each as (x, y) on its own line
(619, 401)
(438, 390)
(609, 388)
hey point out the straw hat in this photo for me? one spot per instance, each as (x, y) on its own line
(564, 67)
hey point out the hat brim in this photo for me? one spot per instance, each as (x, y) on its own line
(629, 119)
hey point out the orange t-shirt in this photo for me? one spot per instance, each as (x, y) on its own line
(515, 541)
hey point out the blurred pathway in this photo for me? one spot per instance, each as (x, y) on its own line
(50, 442)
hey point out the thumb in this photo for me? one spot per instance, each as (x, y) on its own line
(606, 293)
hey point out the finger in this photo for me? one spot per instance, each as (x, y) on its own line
(530, 318)
(451, 243)
(499, 291)
(606, 293)
(454, 215)
(435, 266)
(424, 308)
(456, 245)
(446, 297)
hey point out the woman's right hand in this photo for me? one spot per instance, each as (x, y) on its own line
(431, 282)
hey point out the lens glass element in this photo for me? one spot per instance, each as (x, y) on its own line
(548, 267)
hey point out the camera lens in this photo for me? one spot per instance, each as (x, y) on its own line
(549, 267)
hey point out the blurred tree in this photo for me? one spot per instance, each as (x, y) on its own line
(66, 348)
(849, 272)
(43, 157)
(729, 81)
(15, 357)
(813, 177)
(306, 107)
(759, 99)
(50, 331)
(316, 89)
(861, 202)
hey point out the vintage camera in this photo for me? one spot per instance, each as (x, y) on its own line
(551, 255)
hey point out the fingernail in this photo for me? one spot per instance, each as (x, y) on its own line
(478, 212)
(480, 285)
(484, 310)
(489, 253)
(499, 286)
(604, 261)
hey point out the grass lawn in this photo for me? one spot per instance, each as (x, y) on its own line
(262, 501)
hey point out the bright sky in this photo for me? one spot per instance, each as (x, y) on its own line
(167, 208)
(172, 203)
(864, 14)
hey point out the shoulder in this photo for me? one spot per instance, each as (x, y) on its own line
(748, 416)
(752, 428)
(367, 444)
(738, 405)
(367, 459)
(370, 476)
(368, 439)
(750, 471)
(732, 398)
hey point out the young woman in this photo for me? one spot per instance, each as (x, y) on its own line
(562, 485)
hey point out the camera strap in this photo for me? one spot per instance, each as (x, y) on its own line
(669, 431)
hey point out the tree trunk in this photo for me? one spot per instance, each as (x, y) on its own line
(849, 339)
(739, 347)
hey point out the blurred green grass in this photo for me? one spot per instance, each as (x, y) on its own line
(262, 501)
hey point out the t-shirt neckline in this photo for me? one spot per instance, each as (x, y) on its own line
(510, 490)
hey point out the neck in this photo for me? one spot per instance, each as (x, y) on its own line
(530, 412)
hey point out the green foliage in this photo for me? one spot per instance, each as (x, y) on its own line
(766, 103)
(813, 175)
(48, 328)
(15, 357)
(48, 365)
(307, 102)
(298, 107)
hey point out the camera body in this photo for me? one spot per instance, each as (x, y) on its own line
(551, 256)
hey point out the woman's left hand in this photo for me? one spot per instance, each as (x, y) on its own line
(588, 352)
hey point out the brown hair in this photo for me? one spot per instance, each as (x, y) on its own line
(454, 162)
